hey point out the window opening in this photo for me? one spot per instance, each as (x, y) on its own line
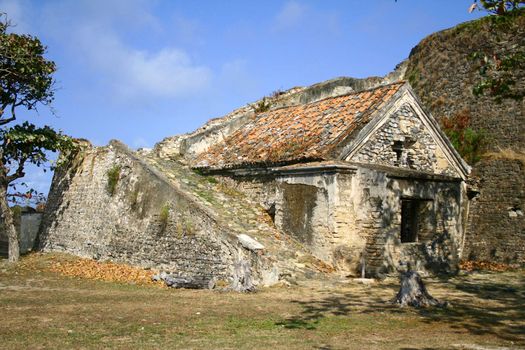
(401, 148)
(397, 147)
(413, 212)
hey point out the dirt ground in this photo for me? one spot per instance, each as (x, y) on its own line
(41, 309)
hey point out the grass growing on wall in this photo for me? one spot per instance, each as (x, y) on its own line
(507, 154)
(164, 216)
(113, 175)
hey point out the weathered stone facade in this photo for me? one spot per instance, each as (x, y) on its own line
(376, 187)
(496, 224)
(350, 211)
(404, 141)
(347, 212)
(147, 220)
(442, 71)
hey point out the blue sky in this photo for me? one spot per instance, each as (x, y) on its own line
(141, 70)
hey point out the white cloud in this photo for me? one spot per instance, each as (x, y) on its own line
(289, 16)
(135, 73)
(102, 41)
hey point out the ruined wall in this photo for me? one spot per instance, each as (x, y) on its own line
(406, 142)
(301, 206)
(442, 72)
(141, 219)
(303, 209)
(345, 215)
(377, 199)
(496, 226)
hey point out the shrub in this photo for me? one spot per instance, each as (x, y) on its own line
(262, 106)
(468, 142)
(113, 175)
(164, 216)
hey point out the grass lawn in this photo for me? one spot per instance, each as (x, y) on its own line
(41, 309)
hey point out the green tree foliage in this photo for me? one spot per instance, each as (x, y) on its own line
(498, 7)
(498, 71)
(468, 142)
(497, 75)
(26, 81)
(25, 75)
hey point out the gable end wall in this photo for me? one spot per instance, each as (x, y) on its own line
(421, 151)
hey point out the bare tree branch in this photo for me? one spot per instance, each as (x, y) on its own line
(19, 171)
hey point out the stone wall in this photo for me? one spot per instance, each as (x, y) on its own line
(303, 210)
(442, 72)
(377, 196)
(496, 229)
(343, 216)
(142, 220)
(27, 225)
(406, 142)
(301, 206)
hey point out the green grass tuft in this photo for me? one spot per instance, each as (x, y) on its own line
(113, 175)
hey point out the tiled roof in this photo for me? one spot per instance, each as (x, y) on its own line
(297, 133)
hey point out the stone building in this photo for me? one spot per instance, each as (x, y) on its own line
(349, 170)
(341, 176)
(365, 176)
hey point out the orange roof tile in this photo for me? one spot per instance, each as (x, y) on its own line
(297, 133)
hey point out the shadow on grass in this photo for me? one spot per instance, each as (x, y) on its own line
(485, 307)
(338, 305)
(490, 306)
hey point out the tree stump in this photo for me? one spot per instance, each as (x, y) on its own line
(413, 292)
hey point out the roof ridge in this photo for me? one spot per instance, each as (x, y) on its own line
(304, 131)
(400, 82)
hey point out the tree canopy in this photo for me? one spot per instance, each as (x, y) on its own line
(498, 7)
(25, 74)
(26, 81)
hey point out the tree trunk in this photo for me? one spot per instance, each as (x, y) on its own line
(413, 292)
(6, 217)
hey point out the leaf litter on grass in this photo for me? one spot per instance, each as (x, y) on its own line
(105, 271)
